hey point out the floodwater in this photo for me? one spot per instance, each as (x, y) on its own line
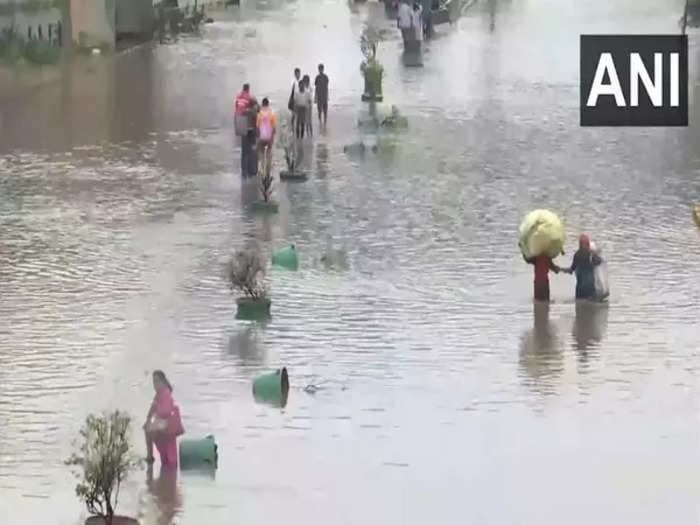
(444, 396)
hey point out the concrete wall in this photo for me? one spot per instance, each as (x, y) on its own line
(93, 22)
(134, 18)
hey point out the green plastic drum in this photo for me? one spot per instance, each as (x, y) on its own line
(286, 258)
(272, 388)
(199, 453)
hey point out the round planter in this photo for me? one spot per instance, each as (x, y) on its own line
(199, 453)
(250, 309)
(293, 176)
(266, 207)
(272, 388)
(116, 520)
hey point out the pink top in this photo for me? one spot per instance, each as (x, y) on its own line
(164, 403)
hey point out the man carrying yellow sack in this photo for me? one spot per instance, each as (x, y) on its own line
(541, 239)
(543, 264)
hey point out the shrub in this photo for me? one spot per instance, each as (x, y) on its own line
(103, 461)
(246, 273)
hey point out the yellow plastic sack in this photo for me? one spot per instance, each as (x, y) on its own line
(541, 232)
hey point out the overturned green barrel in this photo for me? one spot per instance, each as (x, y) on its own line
(272, 388)
(286, 258)
(199, 453)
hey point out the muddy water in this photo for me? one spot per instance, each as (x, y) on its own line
(444, 395)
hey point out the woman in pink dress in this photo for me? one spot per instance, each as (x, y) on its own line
(163, 423)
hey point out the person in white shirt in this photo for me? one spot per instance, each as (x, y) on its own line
(417, 21)
(405, 20)
(302, 103)
(309, 121)
(295, 83)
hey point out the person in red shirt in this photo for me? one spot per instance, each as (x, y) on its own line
(245, 110)
(244, 100)
(543, 264)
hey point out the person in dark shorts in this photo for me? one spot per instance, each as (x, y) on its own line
(321, 95)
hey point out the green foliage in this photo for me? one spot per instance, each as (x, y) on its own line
(15, 49)
(246, 272)
(103, 461)
(373, 72)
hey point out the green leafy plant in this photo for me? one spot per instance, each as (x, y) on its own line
(102, 462)
(246, 272)
(14, 48)
(373, 73)
(370, 67)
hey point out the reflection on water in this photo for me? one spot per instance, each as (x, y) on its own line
(247, 345)
(590, 324)
(166, 499)
(540, 349)
(321, 160)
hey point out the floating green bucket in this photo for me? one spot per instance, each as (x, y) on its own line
(199, 453)
(249, 309)
(286, 258)
(272, 388)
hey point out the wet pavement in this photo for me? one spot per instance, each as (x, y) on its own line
(445, 395)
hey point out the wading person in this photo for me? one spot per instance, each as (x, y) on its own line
(427, 7)
(321, 95)
(163, 423)
(543, 264)
(417, 22)
(266, 125)
(295, 83)
(302, 101)
(583, 265)
(244, 113)
(310, 112)
(404, 21)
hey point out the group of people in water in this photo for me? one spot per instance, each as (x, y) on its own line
(303, 97)
(257, 124)
(583, 266)
(415, 19)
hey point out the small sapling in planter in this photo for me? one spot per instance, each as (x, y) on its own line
(103, 460)
(246, 274)
(372, 70)
(265, 181)
(292, 173)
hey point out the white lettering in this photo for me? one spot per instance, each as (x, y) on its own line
(605, 63)
(638, 71)
(674, 80)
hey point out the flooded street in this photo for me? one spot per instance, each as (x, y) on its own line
(444, 395)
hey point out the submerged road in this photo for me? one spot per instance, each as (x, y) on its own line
(446, 398)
